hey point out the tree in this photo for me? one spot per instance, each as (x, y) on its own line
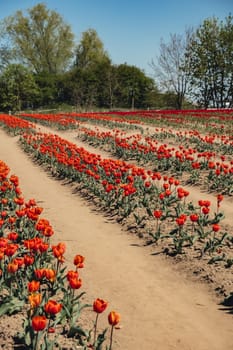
(17, 88)
(48, 89)
(211, 52)
(90, 50)
(43, 40)
(6, 53)
(91, 73)
(133, 87)
(173, 66)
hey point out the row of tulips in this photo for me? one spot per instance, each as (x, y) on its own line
(57, 121)
(214, 121)
(14, 125)
(111, 189)
(133, 192)
(217, 121)
(64, 121)
(222, 144)
(212, 141)
(34, 280)
(215, 141)
(218, 178)
(200, 166)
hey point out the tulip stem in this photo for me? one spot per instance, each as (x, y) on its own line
(111, 337)
(95, 331)
(36, 340)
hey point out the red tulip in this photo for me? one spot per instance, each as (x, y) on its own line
(158, 214)
(99, 305)
(39, 323)
(194, 217)
(216, 227)
(52, 307)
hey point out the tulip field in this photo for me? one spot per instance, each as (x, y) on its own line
(164, 176)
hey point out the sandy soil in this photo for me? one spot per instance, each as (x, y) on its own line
(161, 307)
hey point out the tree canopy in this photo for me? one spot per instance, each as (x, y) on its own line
(40, 65)
(43, 40)
(211, 52)
(172, 67)
(199, 64)
(18, 88)
(90, 50)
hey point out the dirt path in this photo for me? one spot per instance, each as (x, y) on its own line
(160, 309)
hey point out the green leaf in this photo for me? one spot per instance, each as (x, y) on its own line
(149, 211)
(229, 263)
(12, 306)
(76, 330)
(218, 217)
(174, 231)
(27, 339)
(100, 339)
(216, 259)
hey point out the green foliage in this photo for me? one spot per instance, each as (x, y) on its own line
(211, 53)
(44, 43)
(18, 88)
(197, 65)
(42, 38)
(90, 50)
(48, 89)
(10, 305)
(133, 87)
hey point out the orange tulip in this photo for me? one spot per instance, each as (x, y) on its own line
(48, 231)
(12, 267)
(35, 300)
(50, 274)
(4, 201)
(79, 261)
(1, 253)
(41, 224)
(71, 274)
(33, 286)
(113, 318)
(59, 250)
(75, 283)
(3, 242)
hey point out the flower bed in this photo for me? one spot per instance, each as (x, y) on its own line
(34, 280)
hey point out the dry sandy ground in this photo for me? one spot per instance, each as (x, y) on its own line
(160, 308)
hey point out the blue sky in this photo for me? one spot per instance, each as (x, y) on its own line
(130, 30)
